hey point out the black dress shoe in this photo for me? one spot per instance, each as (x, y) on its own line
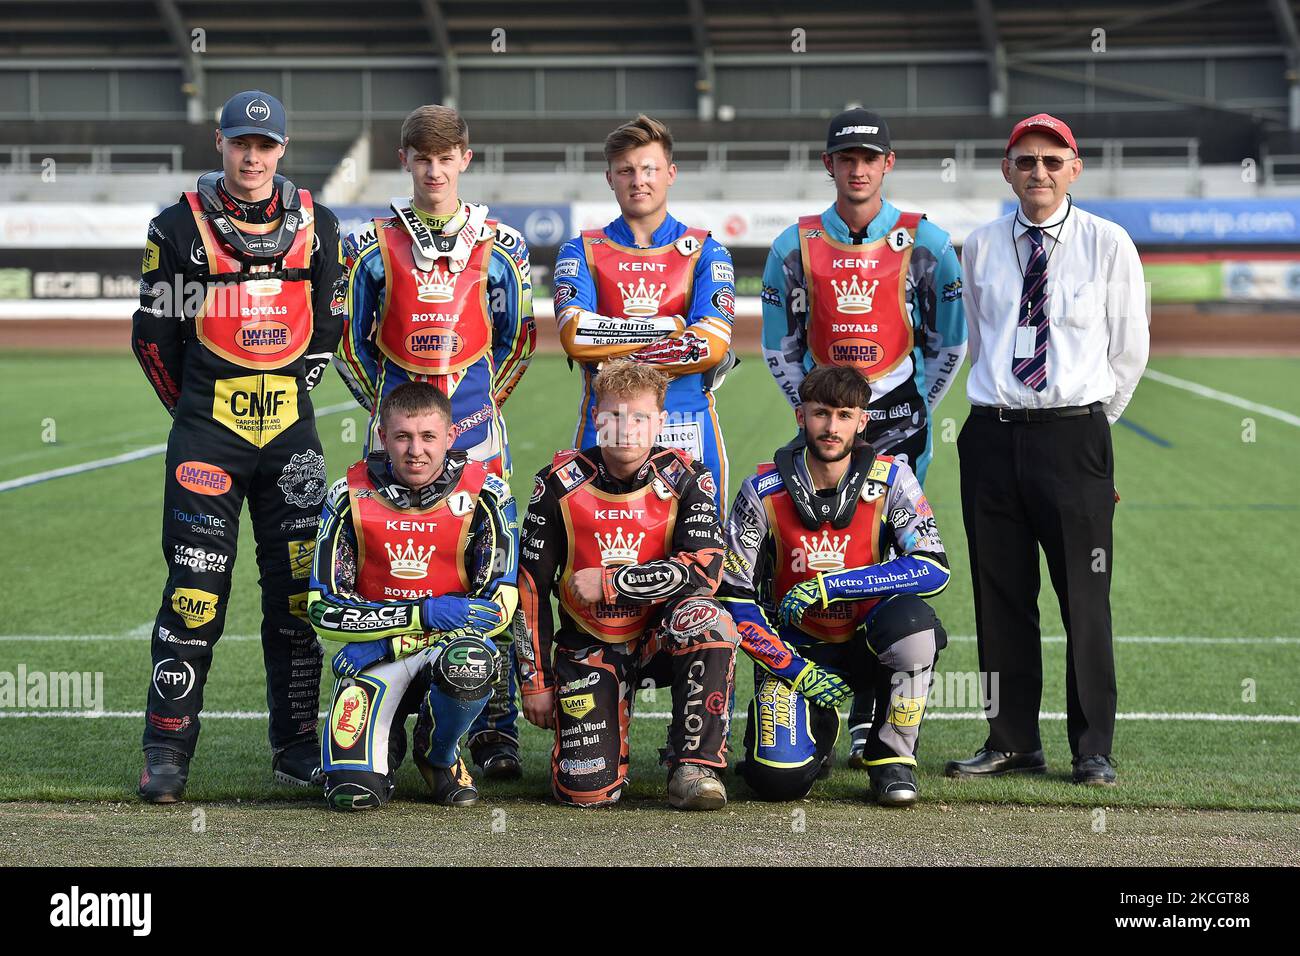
(1094, 770)
(996, 763)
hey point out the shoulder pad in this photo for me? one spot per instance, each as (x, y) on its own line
(767, 479)
(569, 470)
(508, 236)
(882, 469)
(673, 467)
(338, 494)
(879, 477)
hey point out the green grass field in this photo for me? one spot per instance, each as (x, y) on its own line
(1205, 541)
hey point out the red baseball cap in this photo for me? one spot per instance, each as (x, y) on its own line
(1043, 123)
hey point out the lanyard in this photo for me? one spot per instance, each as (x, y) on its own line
(1069, 204)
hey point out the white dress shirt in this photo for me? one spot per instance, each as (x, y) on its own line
(1096, 304)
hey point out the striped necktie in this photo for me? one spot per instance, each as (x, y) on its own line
(1033, 314)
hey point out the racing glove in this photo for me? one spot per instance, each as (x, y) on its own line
(799, 599)
(821, 686)
(315, 368)
(450, 612)
(358, 655)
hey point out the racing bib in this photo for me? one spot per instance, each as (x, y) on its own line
(434, 322)
(634, 283)
(607, 530)
(857, 297)
(801, 554)
(408, 554)
(259, 324)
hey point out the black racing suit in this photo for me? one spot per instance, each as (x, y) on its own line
(658, 541)
(239, 431)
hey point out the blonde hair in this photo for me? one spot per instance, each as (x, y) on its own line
(625, 379)
(432, 129)
(641, 131)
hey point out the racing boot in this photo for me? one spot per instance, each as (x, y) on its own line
(893, 784)
(164, 775)
(694, 787)
(452, 786)
(298, 765)
(498, 758)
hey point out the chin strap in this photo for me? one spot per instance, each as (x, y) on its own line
(813, 509)
(264, 249)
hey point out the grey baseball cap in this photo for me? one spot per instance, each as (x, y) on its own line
(253, 111)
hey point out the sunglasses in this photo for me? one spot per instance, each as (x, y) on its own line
(1052, 164)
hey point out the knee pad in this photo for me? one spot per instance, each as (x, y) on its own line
(357, 790)
(466, 667)
(900, 616)
(699, 620)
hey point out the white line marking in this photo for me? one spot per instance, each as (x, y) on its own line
(146, 452)
(145, 632)
(663, 715)
(1229, 399)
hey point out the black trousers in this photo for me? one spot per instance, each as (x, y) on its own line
(1049, 484)
(210, 472)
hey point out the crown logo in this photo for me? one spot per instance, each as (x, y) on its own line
(618, 548)
(852, 297)
(826, 554)
(409, 562)
(434, 285)
(641, 299)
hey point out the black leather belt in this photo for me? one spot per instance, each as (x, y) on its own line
(1032, 414)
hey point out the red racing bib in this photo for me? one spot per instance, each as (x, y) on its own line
(857, 311)
(636, 283)
(259, 324)
(435, 322)
(407, 554)
(801, 554)
(607, 530)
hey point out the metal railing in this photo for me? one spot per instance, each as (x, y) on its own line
(784, 156)
(93, 160)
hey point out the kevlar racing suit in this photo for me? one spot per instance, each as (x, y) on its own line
(240, 310)
(658, 542)
(862, 556)
(445, 300)
(382, 551)
(670, 305)
(887, 302)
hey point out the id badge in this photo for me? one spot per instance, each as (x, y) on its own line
(1026, 337)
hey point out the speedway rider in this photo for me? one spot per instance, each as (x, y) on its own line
(865, 285)
(440, 292)
(648, 288)
(240, 309)
(626, 535)
(415, 570)
(809, 577)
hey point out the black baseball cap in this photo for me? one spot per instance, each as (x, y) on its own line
(858, 128)
(253, 112)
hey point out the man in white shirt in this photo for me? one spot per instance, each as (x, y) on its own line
(1056, 310)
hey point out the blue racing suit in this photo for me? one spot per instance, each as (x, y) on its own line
(684, 330)
(901, 410)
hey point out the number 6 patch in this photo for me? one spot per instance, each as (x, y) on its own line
(900, 239)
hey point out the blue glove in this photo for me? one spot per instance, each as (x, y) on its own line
(799, 599)
(358, 655)
(452, 612)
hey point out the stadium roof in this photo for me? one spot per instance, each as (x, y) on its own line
(341, 28)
